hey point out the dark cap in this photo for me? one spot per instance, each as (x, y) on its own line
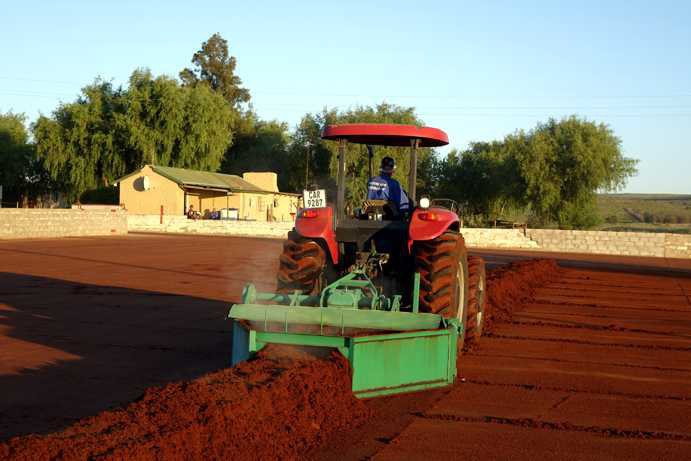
(388, 165)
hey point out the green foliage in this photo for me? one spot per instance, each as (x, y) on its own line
(102, 196)
(484, 179)
(324, 154)
(15, 151)
(21, 173)
(108, 132)
(186, 127)
(310, 156)
(78, 144)
(260, 146)
(564, 163)
(215, 68)
(553, 172)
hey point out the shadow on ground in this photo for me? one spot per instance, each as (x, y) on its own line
(70, 350)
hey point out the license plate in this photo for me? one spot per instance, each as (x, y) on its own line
(314, 198)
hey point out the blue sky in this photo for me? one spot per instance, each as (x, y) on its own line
(478, 70)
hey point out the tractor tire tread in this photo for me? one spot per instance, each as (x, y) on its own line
(476, 299)
(301, 265)
(437, 261)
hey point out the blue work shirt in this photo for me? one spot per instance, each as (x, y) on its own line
(384, 187)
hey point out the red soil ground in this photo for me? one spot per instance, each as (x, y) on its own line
(274, 407)
(595, 365)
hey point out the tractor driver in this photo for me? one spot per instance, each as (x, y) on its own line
(384, 187)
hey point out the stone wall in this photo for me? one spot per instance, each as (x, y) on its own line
(16, 223)
(600, 242)
(497, 238)
(659, 245)
(46, 223)
(677, 246)
(562, 241)
(180, 224)
(613, 243)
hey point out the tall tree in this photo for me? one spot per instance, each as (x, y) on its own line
(108, 131)
(552, 172)
(14, 149)
(22, 174)
(15, 154)
(323, 154)
(259, 146)
(564, 163)
(214, 67)
(484, 179)
(78, 144)
(187, 127)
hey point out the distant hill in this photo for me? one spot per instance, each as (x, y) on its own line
(645, 212)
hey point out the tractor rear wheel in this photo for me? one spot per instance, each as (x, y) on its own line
(477, 281)
(301, 265)
(443, 266)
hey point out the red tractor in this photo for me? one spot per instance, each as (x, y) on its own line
(390, 247)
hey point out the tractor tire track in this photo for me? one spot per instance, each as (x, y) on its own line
(620, 372)
(561, 426)
(590, 343)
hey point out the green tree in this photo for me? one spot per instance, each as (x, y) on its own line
(78, 144)
(309, 156)
(15, 152)
(22, 174)
(564, 164)
(108, 131)
(552, 173)
(323, 155)
(213, 66)
(483, 179)
(166, 124)
(260, 146)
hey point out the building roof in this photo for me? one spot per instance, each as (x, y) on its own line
(186, 177)
(204, 179)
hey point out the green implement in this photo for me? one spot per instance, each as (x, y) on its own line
(394, 351)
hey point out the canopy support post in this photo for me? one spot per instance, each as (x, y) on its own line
(340, 197)
(412, 174)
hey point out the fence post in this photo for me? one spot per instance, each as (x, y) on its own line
(161, 214)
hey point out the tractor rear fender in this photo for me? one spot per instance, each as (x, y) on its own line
(318, 224)
(430, 223)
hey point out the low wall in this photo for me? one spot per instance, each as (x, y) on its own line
(660, 245)
(600, 242)
(46, 223)
(677, 246)
(17, 223)
(182, 225)
(497, 238)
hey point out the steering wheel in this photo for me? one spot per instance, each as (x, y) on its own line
(387, 208)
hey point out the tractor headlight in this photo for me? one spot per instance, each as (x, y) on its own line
(424, 202)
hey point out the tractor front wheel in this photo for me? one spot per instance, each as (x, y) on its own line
(443, 266)
(301, 265)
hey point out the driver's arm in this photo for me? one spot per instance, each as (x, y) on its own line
(404, 203)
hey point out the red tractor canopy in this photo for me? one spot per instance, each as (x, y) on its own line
(381, 134)
(387, 134)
